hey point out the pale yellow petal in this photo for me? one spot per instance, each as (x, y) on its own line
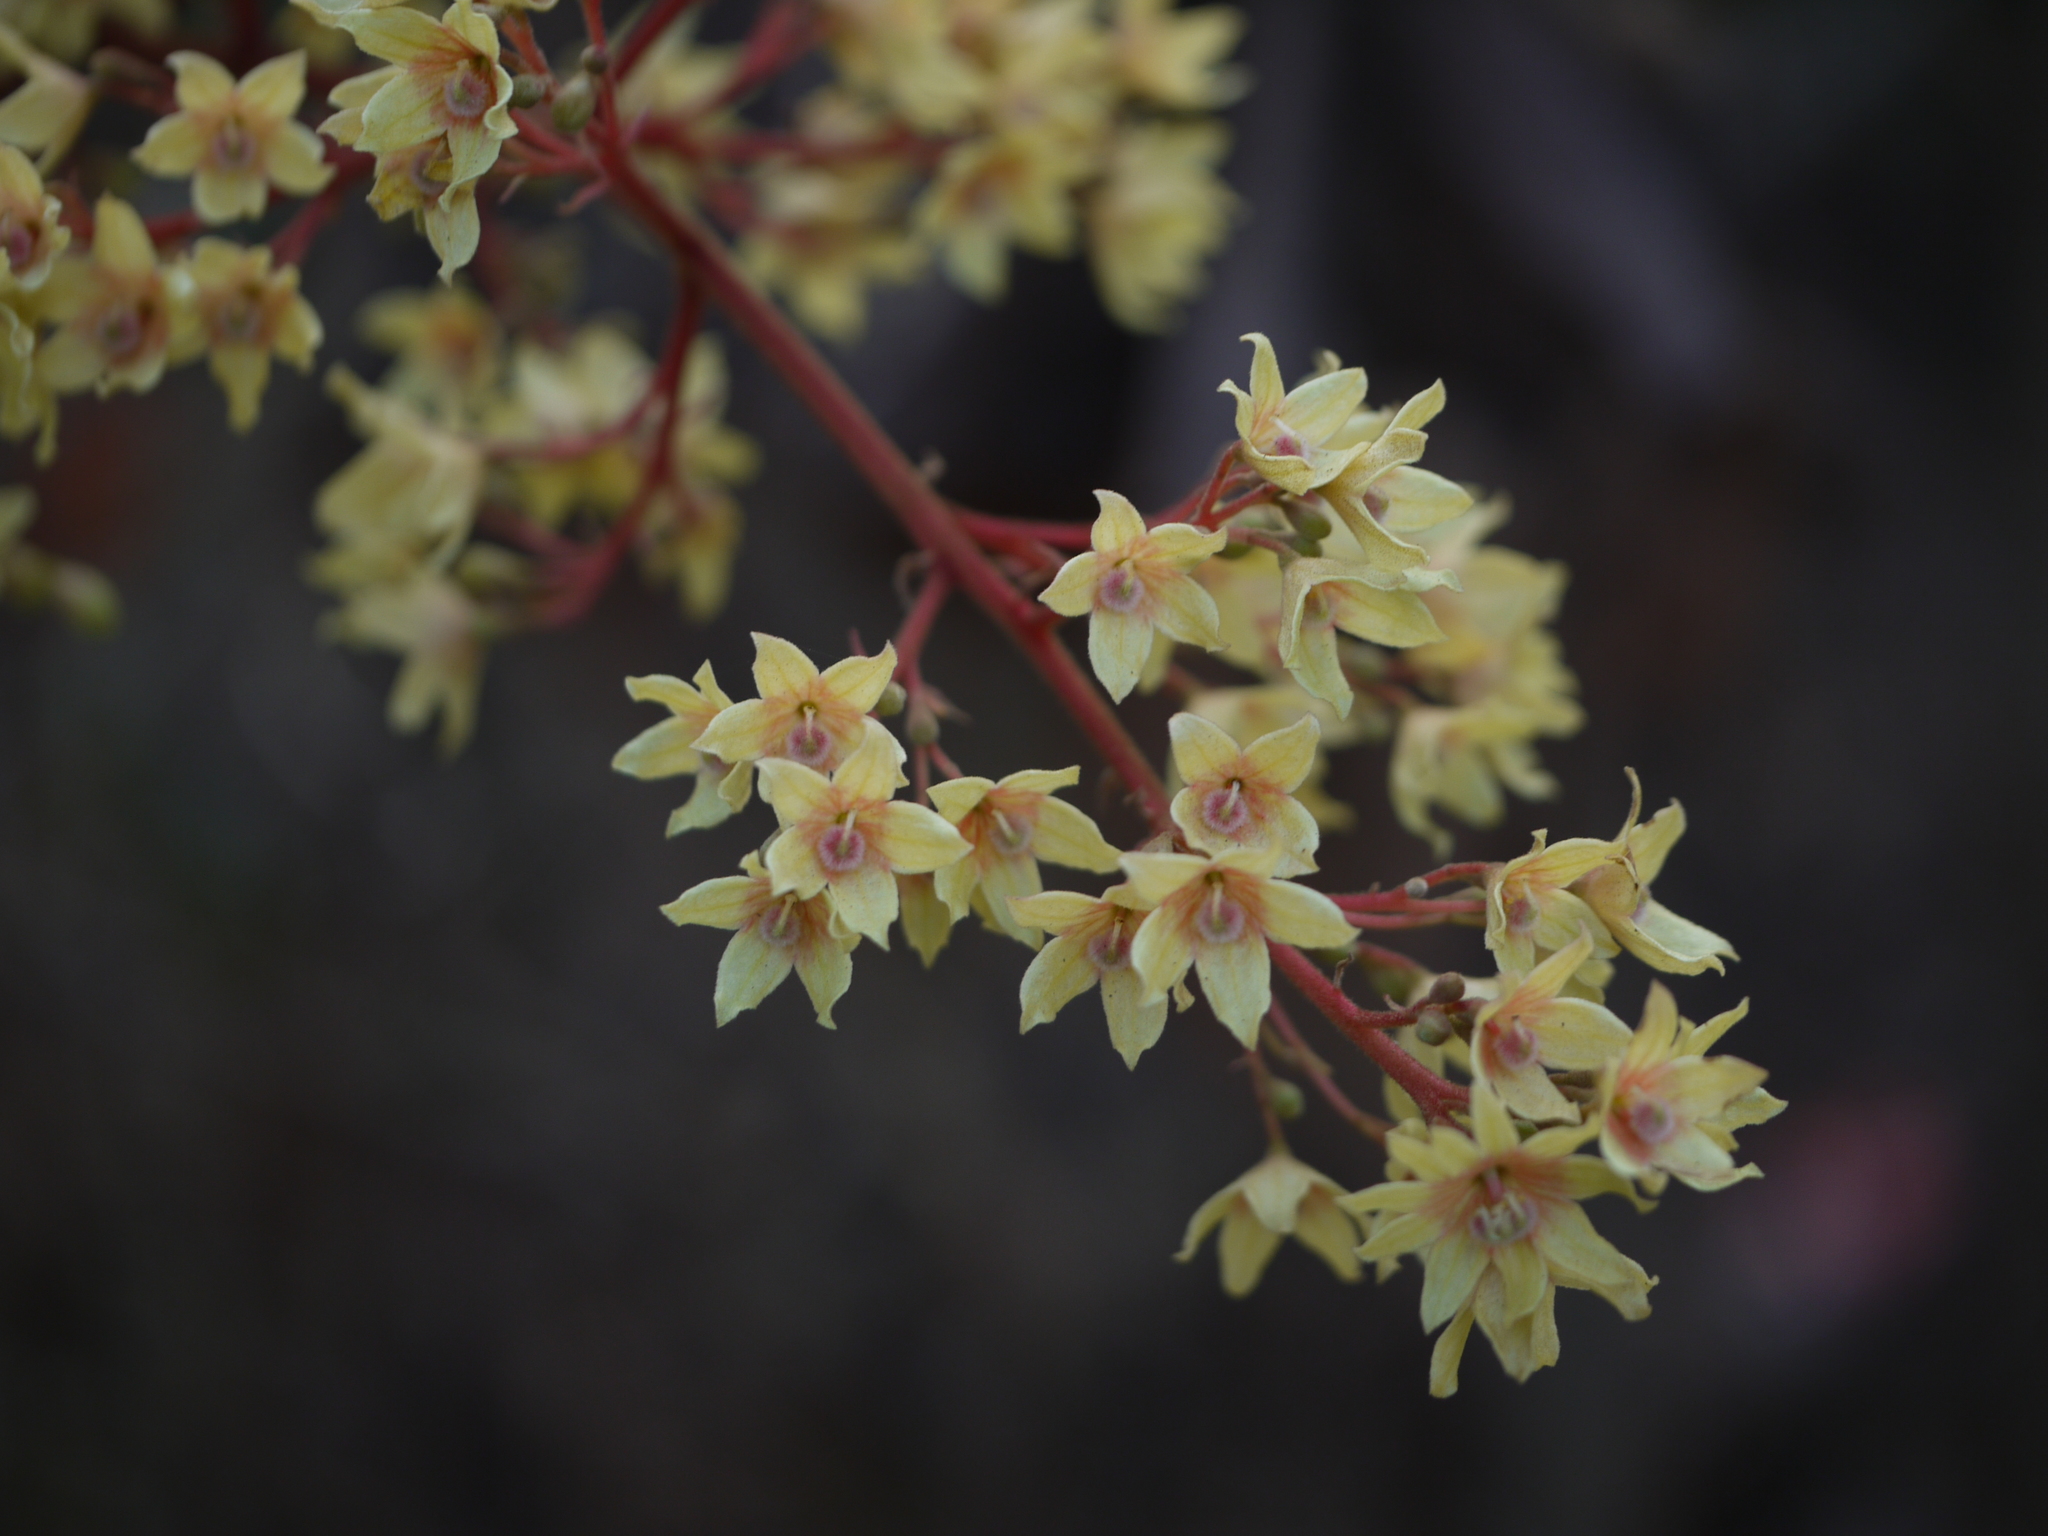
(1185, 610)
(864, 899)
(1066, 835)
(748, 971)
(826, 971)
(1057, 975)
(858, 681)
(1244, 1247)
(1450, 1274)
(1237, 979)
(1294, 914)
(1135, 1024)
(1072, 591)
(912, 839)
(725, 902)
(1118, 645)
(1117, 526)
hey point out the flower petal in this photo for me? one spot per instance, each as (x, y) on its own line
(912, 839)
(1065, 835)
(748, 971)
(1118, 647)
(1237, 979)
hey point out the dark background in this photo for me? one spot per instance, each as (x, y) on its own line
(368, 1160)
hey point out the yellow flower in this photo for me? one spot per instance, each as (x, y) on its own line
(1010, 826)
(408, 497)
(1158, 213)
(775, 932)
(448, 85)
(1282, 433)
(993, 192)
(1320, 597)
(1173, 58)
(1134, 580)
(1667, 1109)
(1618, 891)
(1280, 1197)
(663, 751)
(1380, 493)
(847, 836)
(825, 234)
(236, 139)
(431, 622)
(1529, 909)
(1249, 713)
(691, 533)
(447, 342)
(901, 50)
(32, 232)
(1461, 758)
(1530, 1026)
(927, 921)
(1243, 797)
(31, 578)
(68, 28)
(1216, 914)
(120, 312)
(48, 109)
(812, 718)
(246, 312)
(1091, 946)
(557, 393)
(1500, 1225)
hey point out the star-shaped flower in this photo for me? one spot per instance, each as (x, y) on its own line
(120, 311)
(247, 314)
(1091, 946)
(1011, 826)
(775, 932)
(1243, 797)
(813, 718)
(1529, 1027)
(1618, 891)
(1280, 1197)
(666, 749)
(1319, 597)
(1282, 432)
(848, 837)
(1216, 914)
(1135, 580)
(237, 139)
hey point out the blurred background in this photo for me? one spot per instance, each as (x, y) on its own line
(368, 1157)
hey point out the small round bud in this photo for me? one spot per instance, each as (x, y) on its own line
(892, 700)
(573, 105)
(1286, 1099)
(1234, 550)
(1304, 545)
(1416, 889)
(1447, 988)
(1432, 1026)
(1308, 521)
(529, 90)
(921, 726)
(596, 59)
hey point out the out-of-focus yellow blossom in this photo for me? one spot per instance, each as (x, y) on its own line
(825, 234)
(330, 12)
(1010, 826)
(1530, 1025)
(1243, 797)
(1618, 891)
(1280, 1197)
(665, 750)
(407, 498)
(1134, 580)
(1216, 914)
(994, 192)
(45, 113)
(237, 139)
(447, 343)
(120, 313)
(1319, 598)
(246, 313)
(1501, 1228)
(1158, 213)
(691, 533)
(680, 80)
(902, 51)
(431, 622)
(812, 718)
(927, 921)
(31, 578)
(1091, 946)
(32, 232)
(774, 932)
(27, 404)
(1460, 759)
(848, 836)
(68, 28)
(1668, 1109)
(557, 394)
(1174, 58)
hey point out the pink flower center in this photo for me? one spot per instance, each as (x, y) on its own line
(1508, 1218)
(239, 318)
(807, 742)
(234, 147)
(1120, 590)
(1220, 919)
(1513, 1045)
(419, 170)
(1651, 1119)
(17, 242)
(782, 925)
(1226, 810)
(468, 91)
(1012, 836)
(120, 332)
(1286, 445)
(841, 849)
(1110, 950)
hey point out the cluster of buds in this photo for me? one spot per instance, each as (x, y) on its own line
(1317, 589)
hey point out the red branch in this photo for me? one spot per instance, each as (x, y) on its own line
(1364, 1028)
(645, 32)
(1317, 1071)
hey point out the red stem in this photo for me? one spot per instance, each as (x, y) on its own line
(925, 516)
(917, 625)
(1435, 1096)
(645, 32)
(1317, 1071)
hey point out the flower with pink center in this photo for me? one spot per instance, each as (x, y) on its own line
(237, 139)
(1133, 581)
(119, 311)
(1669, 1110)
(808, 717)
(1243, 797)
(1215, 914)
(448, 84)
(1498, 1223)
(773, 934)
(1531, 1026)
(848, 837)
(1011, 826)
(665, 750)
(247, 314)
(1282, 432)
(32, 229)
(1091, 946)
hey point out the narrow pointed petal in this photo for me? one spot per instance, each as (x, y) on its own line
(1187, 612)
(858, 681)
(1135, 1025)
(912, 839)
(1057, 975)
(1065, 835)
(1450, 1274)
(826, 970)
(1296, 915)
(864, 899)
(748, 971)
(722, 903)
(1245, 1247)
(780, 668)
(1117, 526)
(1202, 749)
(1237, 979)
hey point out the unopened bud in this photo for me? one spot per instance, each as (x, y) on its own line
(892, 700)
(1432, 1026)
(1286, 1099)
(596, 59)
(1308, 521)
(1416, 889)
(921, 725)
(573, 105)
(1304, 545)
(1447, 988)
(529, 90)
